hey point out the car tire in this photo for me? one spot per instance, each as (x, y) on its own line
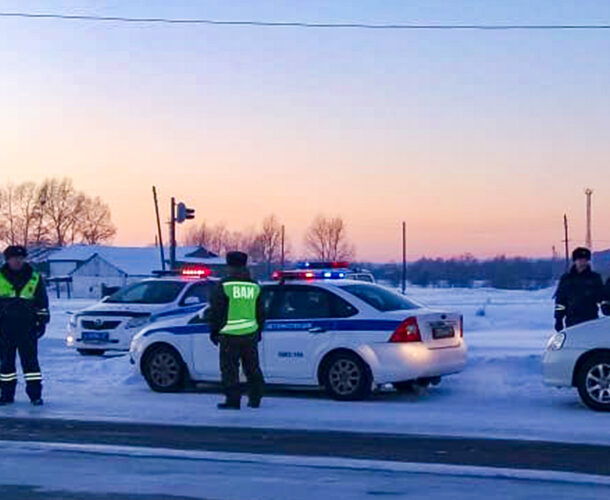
(593, 382)
(346, 377)
(163, 369)
(91, 352)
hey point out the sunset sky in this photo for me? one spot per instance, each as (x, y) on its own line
(479, 140)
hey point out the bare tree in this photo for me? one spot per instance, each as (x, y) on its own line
(20, 210)
(62, 210)
(270, 241)
(95, 225)
(326, 239)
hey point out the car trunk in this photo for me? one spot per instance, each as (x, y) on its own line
(437, 329)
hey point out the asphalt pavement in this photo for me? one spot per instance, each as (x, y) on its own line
(514, 454)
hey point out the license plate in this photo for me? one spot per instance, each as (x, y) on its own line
(442, 332)
(95, 336)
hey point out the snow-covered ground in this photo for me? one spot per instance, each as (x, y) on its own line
(500, 394)
(116, 473)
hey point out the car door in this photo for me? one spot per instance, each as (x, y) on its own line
(206, 363)
(300, 321)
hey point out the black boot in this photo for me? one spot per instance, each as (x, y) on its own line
(229, 405)
(4, 401)
(254, 403)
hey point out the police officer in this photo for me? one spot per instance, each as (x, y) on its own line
(580, 292)
(24, 314)
(606, 302)
(236, 322)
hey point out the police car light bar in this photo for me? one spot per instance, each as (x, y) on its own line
(307, 275)
(196, 272)
(324, 265)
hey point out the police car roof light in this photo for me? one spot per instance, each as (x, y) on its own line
(196, 272)
(324, 265)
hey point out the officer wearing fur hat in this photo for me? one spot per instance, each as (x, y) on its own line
(236, 322)
(580, 292)
(24, 314)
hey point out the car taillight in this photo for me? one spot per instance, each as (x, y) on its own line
(407, 331)
(461, 326)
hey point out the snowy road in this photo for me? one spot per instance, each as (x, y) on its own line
(514, 454)
(129, 474)
(499, 395)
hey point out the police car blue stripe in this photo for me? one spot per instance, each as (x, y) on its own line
(177, 312)
(339, 325)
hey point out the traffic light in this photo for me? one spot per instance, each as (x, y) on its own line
(184, 213)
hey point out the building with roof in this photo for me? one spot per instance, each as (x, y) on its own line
(86, 271)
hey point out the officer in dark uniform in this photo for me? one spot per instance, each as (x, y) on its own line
(24, 314)
(580, 292)
(236, 322)
(606, 302)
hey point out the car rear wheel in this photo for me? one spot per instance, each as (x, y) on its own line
(91, 352)
(346, 377)
(164, 369)
(593, 382)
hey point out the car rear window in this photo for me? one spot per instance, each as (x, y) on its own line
(381, 298)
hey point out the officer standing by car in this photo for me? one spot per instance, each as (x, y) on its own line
(24, 314)
(236, 322)
(606, 302)
(580, 292)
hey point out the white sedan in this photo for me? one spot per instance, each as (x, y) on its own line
(347, 336)
(580, 357)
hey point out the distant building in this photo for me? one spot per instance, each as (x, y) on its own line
(86, 270)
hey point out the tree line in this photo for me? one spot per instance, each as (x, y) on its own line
(465, 271)
(325, 239)
(52, 213)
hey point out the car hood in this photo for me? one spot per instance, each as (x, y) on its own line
(127, 308)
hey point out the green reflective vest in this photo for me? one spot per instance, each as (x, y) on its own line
(241, 316)
(7, 290)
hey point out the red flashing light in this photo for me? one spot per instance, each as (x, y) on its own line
(196, 272)
(407, 331)
(340, 265)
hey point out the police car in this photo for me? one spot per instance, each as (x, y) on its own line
(579, 357)
(110, 324)
(347, 336)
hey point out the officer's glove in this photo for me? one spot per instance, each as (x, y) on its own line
(40, 330)
(259, 336)
(215, 338)
(558, 325)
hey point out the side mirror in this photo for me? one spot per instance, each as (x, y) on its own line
(191, 301)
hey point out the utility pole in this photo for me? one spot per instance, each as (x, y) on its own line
(283, 247)
(589, 239)
(159, 232)
(404, 257)
(172, 235)
(566, 240)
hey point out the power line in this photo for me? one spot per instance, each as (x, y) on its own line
(290, 24)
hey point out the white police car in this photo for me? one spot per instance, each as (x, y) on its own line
(345, 335)
(110, 324)
(579, 357)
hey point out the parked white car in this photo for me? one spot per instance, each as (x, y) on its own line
(110, 324)
(344, 335)
(580, 357)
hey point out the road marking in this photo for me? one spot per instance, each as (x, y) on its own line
(312, 462)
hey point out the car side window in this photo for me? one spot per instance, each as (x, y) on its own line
(196, 294)
(307, 302)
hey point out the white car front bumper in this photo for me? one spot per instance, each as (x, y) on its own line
(558, 366)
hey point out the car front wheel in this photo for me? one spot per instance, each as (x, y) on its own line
(346, 377)
(164, 369)
(593, 382)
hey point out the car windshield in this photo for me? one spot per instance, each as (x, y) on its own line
(147, 292)
(381, 298)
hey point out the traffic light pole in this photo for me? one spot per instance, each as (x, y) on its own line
(172, 235)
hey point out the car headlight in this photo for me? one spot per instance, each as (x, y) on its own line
(556, 342)
(137, 322)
